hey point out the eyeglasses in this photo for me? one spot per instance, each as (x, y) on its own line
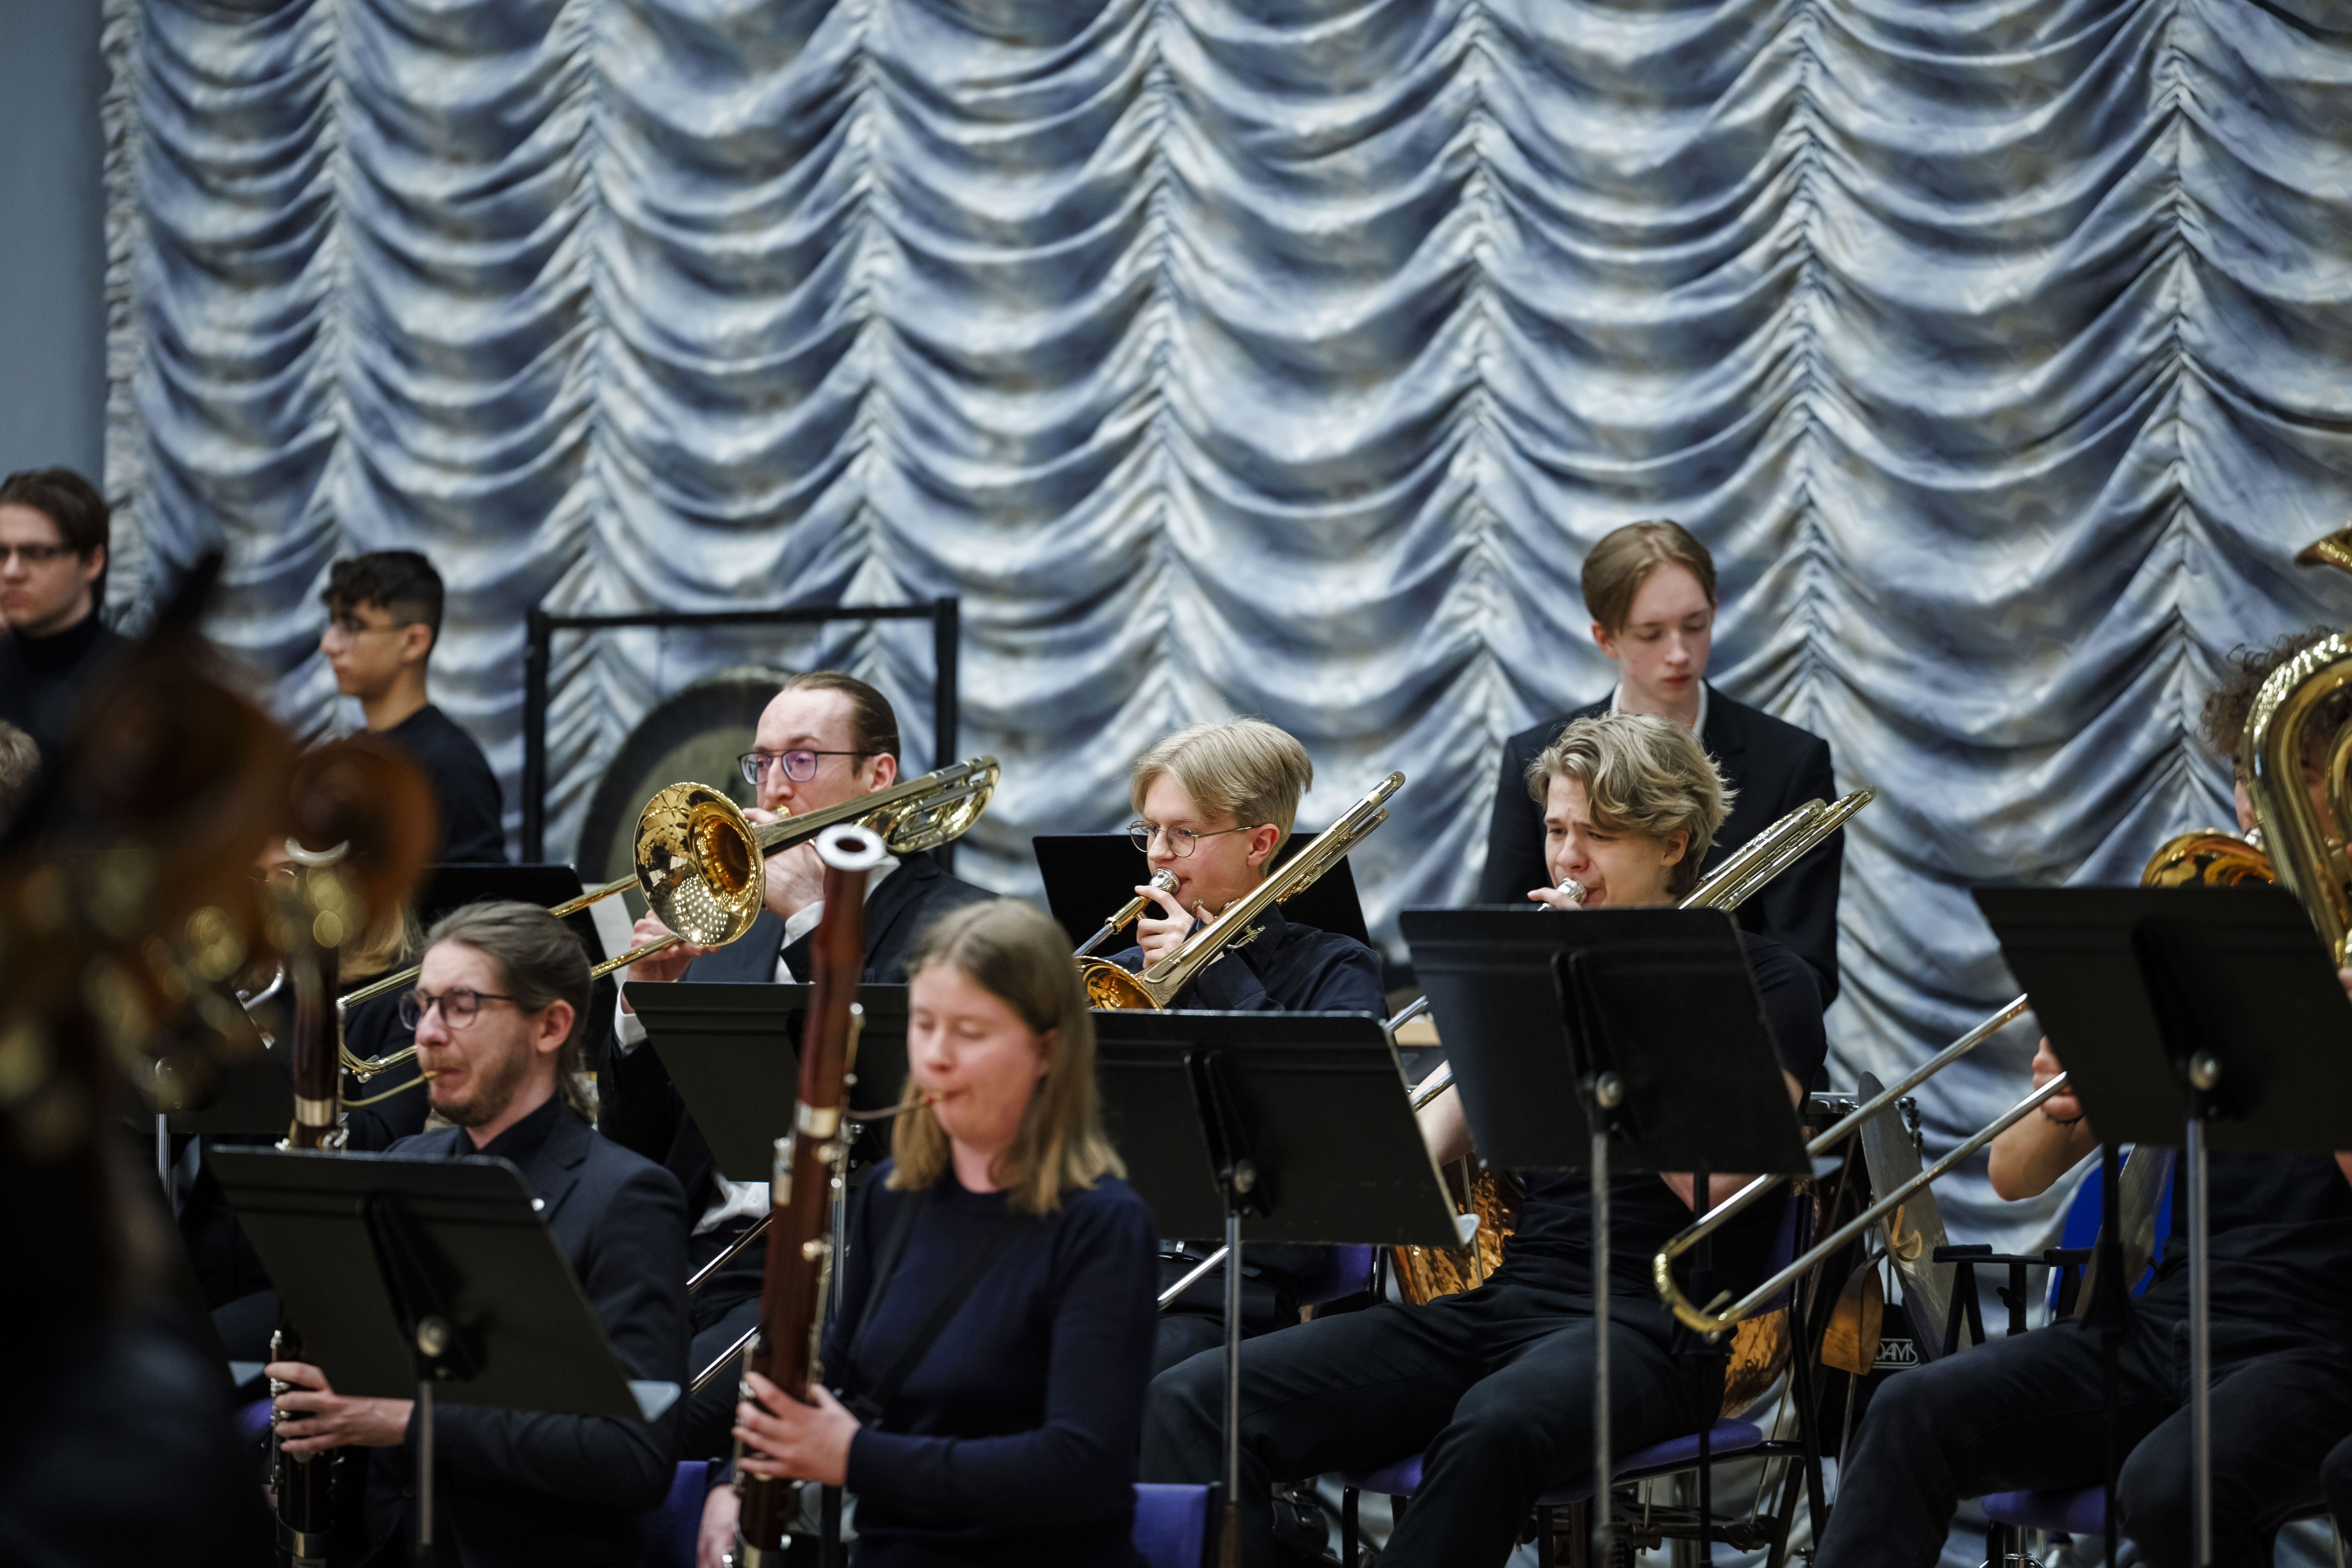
(1181, 840)
(36, 554)
(459, 1007)
(800, 766)
(351, 626)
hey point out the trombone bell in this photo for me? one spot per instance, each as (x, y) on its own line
(1108, 985)
(699, 864)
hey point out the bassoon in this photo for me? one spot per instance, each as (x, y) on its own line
(302, 1485)
(801, 1191)
(369, 811)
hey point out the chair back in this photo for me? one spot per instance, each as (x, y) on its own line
(665, 1535)
(1171, 1524)
(1346, 1271)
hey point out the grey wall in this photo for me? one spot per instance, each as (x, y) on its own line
(52, 237)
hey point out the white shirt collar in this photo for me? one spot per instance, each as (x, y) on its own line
(1698, 729)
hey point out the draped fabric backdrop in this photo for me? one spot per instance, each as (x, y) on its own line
(1286, 359)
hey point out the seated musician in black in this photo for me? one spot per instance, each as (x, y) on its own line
(497, 1011)
(1213, 803)
(1650, 587)
(825, 738)
(1494, 1387)
(2027, 1412)
(1004, 1433)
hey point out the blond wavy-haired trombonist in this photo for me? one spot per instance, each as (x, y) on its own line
(1639, 777)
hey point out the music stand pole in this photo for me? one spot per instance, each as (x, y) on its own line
(423, 1554)
(1605, 1097)
(2106, 1306)
(2204, 1072)
(1229, 1539)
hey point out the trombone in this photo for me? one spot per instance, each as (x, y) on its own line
(2290, 846)
(1108, 985)
(700, 863)
(1742, 873)
(1163, 879)
(2208, 858)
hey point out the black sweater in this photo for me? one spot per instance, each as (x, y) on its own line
(463, 785)
(1774, 767)
(1014, 1439)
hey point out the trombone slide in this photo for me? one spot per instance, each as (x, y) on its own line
(1708, 1321)
(1163, 879)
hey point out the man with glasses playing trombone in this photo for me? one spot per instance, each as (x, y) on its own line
(1213, 803)
(825, 738)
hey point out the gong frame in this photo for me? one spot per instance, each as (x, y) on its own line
(538, 638)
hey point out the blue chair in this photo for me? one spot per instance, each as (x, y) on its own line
(1401, 1479)
(2085, 1512)
(1346, 1271)
(2082, 1511)
(1171, 1524)
(666, 1534)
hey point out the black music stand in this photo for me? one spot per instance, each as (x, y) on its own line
(431, 1280)
(1648, 1019)
(1089, 875)
(2218, 1008)
(732, 1048)
(1299, 1121)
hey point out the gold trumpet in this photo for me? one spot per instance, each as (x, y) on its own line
(1108, 985)
(700, 862)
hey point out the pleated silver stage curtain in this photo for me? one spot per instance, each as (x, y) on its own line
(1285, 359)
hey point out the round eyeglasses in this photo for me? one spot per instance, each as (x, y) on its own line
(459, 1007)
(800, 766)
(1181, 840)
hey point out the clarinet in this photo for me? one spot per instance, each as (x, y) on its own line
(302, 1485)
(800, 1194)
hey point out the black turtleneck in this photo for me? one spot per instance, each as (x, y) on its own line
(42, 679)
(526, 1137)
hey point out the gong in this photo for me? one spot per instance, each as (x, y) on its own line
(693, 735)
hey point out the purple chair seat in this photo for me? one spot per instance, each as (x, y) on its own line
(1171, 1524)
(2085, 1512)
(1345, 1271)
(666, 1534)
(1402, 1478)
(2081, 1512)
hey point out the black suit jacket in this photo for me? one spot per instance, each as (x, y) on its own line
(1774, 767)
(641, 1109)
(523, 1487)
